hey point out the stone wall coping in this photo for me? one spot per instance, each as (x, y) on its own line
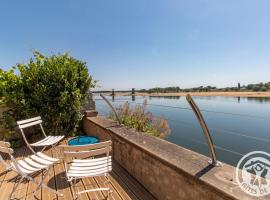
(191, 163)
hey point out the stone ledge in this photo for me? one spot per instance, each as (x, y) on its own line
(90, 113)
(191, 164)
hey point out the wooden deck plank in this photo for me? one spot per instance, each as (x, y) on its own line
(62, 185)
(3, 171)
(90, 183)
(126, 179)
(114, 195)
(122, 189)
(80, 187)
(11, 177)
(49, 181)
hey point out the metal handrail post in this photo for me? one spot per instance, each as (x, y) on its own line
(206, 131)
(111, 106)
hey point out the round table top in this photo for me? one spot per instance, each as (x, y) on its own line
(83, 140)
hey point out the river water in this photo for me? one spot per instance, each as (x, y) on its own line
(237, 125)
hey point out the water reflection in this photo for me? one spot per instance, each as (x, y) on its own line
(115, 98)
(165, 97)
(259, 99)
(262, 100)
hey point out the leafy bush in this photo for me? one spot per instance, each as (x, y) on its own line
(53, 87)
(137, 117)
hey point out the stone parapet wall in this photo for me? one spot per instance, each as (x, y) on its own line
(168, 171)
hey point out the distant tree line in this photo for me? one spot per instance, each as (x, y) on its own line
(162, 90)
(259, 87)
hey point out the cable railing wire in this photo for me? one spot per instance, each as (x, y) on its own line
(261, 139)
(216, 146)
(158, 105)
(236, 114)
(202, 110)
(236, 133)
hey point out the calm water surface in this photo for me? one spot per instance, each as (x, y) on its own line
(237, 125)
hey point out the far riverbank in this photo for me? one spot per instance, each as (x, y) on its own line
(229, 94)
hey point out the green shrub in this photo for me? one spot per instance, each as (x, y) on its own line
(53, 87)
(137, 117)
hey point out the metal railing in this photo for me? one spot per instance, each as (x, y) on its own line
(206, 131)
(112, 108)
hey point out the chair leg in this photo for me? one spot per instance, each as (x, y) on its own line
(108, 186)
(40, 184)
(47, 188)
(74, 190)
(59, 154)
(6, 166)
(43, 148)
(15, 187)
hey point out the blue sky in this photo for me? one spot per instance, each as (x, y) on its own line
(145, 43)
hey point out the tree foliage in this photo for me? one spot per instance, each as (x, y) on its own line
(53, 87)
(260, 87)
(162, 90)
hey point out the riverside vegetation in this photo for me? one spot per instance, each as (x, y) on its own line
(137, 117)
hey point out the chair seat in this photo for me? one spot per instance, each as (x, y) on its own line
(48, 141)
(89, 167)
(35, 163)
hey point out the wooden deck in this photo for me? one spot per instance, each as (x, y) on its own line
(124, 186)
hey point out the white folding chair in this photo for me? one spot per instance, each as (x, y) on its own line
(29, 166)
(85, 165)
(47, 141)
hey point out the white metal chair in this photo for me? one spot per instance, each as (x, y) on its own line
(29, 166)
(48, 141)
(86, 165)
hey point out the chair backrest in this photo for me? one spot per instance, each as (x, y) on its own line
(5, 148)
(28, 123)
(85, 151)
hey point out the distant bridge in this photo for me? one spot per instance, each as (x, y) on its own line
(132, 91)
